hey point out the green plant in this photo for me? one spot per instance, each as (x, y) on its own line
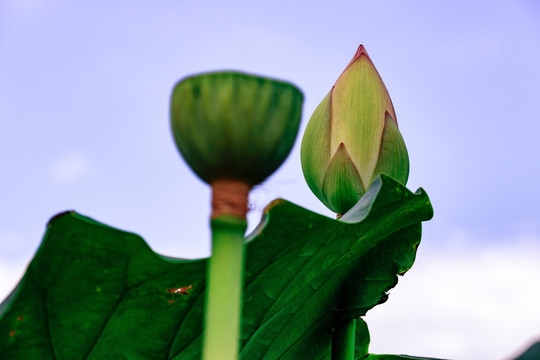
(95, 292)
(234, 130)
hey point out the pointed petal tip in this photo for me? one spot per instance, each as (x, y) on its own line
(359, 52)
(361, 49)
(388, 115)
(343, 149)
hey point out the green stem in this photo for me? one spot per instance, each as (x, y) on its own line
(224, 289)
(343, 340)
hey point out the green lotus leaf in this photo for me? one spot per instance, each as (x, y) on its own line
(95, 292)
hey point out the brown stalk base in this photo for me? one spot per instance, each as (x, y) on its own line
(229, 197)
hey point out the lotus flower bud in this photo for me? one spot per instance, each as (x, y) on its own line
(352, 137)
(234, 126)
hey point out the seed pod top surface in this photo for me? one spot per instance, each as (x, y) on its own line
(230, 125)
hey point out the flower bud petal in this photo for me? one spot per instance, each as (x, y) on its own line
(359, 104)
(342, 185)
(393, 157)
(315, 151)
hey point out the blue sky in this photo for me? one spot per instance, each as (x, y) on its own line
(84, 98)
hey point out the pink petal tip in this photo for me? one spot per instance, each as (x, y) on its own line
(361, 51)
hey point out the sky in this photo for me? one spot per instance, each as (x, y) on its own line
(84, 125)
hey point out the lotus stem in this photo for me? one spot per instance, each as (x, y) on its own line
(225, 272)
(343, 340)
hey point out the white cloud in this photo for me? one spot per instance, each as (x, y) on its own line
(14, 257)
(464, 303)
(70, 168)
(10, 241)
(11, 273)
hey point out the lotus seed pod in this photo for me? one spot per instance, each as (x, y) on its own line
(234, 126)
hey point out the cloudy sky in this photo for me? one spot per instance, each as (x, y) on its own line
(84, 97)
